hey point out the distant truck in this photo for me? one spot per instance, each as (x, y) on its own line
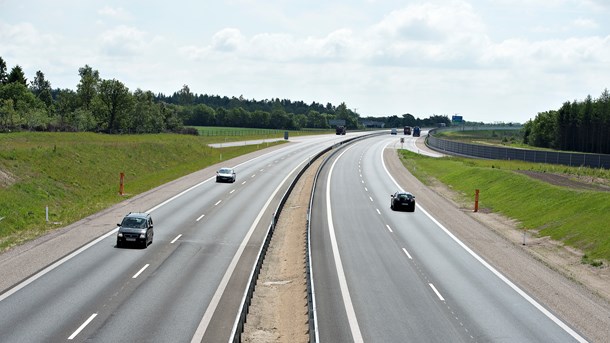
(416, 131)
(407, 130)
(340, 130)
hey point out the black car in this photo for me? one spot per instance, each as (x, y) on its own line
(136, 228)
(402, 200)
(226, 175)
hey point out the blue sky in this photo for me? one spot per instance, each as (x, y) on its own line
(487, 60)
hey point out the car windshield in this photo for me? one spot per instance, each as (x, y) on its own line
(133, 222)
(404, 196)
(225, 171)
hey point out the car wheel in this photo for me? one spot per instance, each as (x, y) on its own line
(118, 244)
(412, 208)
(392, 206)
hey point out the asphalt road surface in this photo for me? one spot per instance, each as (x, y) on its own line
(186, 286)
(386, 276)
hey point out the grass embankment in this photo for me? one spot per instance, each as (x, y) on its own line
(507, 138)
(578, 218)
(77, 174)
(230, 134)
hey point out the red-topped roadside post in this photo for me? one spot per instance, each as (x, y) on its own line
(476, 200)
(121, 183)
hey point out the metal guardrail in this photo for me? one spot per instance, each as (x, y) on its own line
(238, 327)
(501, 153)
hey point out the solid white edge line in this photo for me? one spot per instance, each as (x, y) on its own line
(541, 308)
(201, 216)
(437, 292)
(207, 316)
(347, 301)
(407, 253)
(55, 265)
(140, 272)
(82, 326)
(175, 239)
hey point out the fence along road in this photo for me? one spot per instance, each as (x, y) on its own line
(501, 153)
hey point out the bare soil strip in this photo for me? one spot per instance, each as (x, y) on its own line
(278, 312)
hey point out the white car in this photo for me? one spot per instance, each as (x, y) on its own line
(226, 175)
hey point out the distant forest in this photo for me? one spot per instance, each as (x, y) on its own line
(582, 126)
(101, 105)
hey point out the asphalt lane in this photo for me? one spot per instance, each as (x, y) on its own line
(162, 293)
(407, 278)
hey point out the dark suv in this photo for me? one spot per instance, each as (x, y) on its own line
(137, 228)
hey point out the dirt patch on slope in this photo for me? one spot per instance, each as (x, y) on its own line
(584, 183)
(6, 179)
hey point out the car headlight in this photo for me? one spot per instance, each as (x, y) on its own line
(120, 234)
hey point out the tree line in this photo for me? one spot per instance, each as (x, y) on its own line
(582, 126)
(107, 105)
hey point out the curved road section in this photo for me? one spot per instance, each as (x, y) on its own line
(386, 276)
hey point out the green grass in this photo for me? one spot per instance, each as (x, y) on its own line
(511, 138)
(230, 134)
(577, 218)
(77, 174)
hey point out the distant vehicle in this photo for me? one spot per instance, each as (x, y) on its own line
(402, 200)
(407, 130)
(340, 130)
(136, 228)
(393, 132)
(416, 131)
(226, 175)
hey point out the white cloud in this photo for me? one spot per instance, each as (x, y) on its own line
(228, 40)
(566, 55)
(123, 41)
(585, 23)
(118, 13)
(427, 34)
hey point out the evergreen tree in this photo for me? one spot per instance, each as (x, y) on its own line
(17, 75)
(3, 74)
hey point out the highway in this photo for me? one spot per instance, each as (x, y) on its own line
(379, 275)
(186, 286)
(385, 276)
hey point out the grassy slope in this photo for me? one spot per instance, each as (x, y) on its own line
(577, 218)
(77, 174)
(509, 138)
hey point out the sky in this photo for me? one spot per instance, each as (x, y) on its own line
(486, 60)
